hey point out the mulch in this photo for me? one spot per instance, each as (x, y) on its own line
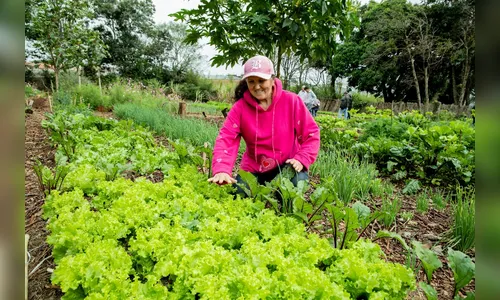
(427, 228)
(37, 147)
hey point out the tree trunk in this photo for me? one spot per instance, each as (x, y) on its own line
(332, 83)
(426, 85)
(278, 67)
(99, 79)
(454, 85)
(415, 78)
(78, 70)
(56, 75)
(463, 84)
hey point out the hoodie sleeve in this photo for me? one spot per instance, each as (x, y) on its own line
(308, 135)
(227, 143)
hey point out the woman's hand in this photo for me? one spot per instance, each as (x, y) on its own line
(297, 165)
(222, 178)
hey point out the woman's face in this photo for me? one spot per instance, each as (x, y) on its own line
(260, 88)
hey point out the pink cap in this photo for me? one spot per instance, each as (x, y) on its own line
(259, 66)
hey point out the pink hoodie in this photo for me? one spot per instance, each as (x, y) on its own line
(285, 130)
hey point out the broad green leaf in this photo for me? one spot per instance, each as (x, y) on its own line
(393, 235)
(429, 259)
(429, 291)
(463, 268)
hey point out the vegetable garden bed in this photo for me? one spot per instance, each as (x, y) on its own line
(141, 272)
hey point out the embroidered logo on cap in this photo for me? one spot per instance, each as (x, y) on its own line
(256, 64)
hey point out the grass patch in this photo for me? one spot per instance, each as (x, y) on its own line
(461, 235)
(349, 176)
(194, 131)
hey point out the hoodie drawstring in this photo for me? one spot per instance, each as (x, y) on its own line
(256, 131)
(272, 137)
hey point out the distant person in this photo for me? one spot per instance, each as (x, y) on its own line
(303, 93)
(345, 104)
(275, 125)
(312, 101)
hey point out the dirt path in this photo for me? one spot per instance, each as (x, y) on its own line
(37, 148)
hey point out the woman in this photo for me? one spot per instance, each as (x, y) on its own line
(313, 102)
(275, 124)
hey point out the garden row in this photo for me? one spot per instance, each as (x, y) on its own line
(430, 148)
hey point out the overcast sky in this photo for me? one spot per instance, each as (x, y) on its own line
(164, 8)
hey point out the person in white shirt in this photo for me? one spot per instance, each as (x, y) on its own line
(311, 101)
(303, 94)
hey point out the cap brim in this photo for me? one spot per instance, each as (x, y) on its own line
(258, 74)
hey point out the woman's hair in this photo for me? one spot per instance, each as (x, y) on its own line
(242, 88)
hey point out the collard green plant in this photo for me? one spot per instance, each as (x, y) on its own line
(412, 187)
(429, 291)
(49, 180)
(252, 188)
(355, 220)
(429, 259)
(463, 269)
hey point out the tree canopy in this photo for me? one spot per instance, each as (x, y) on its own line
(241, 29)
(412, 52)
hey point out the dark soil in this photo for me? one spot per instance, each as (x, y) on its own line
(37, 147)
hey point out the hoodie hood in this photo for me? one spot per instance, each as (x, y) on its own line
(277, 91)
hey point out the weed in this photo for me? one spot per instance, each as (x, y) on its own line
(407, 215)
(461, 235)
(390, 209)
(412, 187)
(422, 203)
(438, 200)
(347, 175)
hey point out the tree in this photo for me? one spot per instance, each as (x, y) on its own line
(455, 23)
(289, 67)
(241, 29)
(410, 52)
(63, 36)
(181, 57)
(135, 45)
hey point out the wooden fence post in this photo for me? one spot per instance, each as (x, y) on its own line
(182, 108)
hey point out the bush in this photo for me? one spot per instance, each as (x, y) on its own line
(40, 79)
(197, 88)
(29, 91)
(68, 80)
(62, 98)
(90, 94)
(118, 94)
(362, 99)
